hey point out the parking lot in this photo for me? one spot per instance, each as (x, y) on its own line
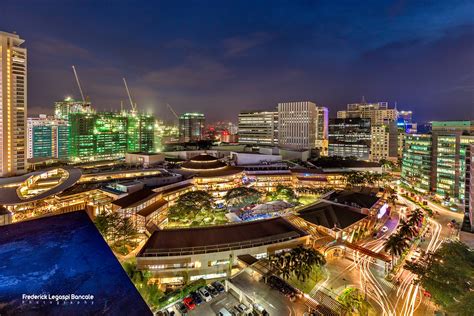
(224, 300)
(272, 300)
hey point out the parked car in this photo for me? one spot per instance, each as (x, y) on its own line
(205, 294)
(259, 309)
(384, 229)
(212, 290)
(181, 308)
(196, 298)
(242, 308)
(188, 301)
(224, 312)
(218, 286)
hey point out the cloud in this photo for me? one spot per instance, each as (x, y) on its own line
(193, 72)
(52, 47)
(239, 45)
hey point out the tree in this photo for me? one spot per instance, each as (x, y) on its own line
(114, 227)
(407, 230)
(395, 245)
(299, 262)
(242, 196)
(416, 217)
(353, 301)
(141, 279)
(448, 275)
(192, 202)
(283, 193)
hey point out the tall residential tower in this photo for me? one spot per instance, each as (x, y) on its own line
(12, 105)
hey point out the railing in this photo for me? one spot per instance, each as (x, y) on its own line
(220, 247)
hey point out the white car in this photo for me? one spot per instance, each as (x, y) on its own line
(205, 294)
(384, 229)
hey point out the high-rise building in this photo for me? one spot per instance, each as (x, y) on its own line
(301, 125)
(13, 104)
(191, 126)
(417, 162)
(69, 105)
(258, 128)
(47, 137)
(449, 143)
(468, 223)
(165, 134)
(109, 135)
(384, 142)
(378, 112)
(322, 126)
(350, 137)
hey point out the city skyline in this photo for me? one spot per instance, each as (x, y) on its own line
(275, 57)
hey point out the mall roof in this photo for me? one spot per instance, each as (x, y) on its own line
(352, 198)
(135, 198)
(9, 195)
(63, 254)
(152, 208)
(331, 215)
(200, 238)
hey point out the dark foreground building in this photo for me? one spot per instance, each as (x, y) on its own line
(66, 263)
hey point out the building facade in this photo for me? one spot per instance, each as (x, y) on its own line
(69, 105)
(109, 135)
(47, 137)
(445, 170)
(468, 223)
(378, 112)
(298, 124)
(384, 142)
(13, 105)
(191, 126)
(258, 128)
(349, 137)
(417, 162)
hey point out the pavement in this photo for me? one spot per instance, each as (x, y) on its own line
(275, 303)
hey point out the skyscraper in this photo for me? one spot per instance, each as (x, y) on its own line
(377, 112)
(47, 137)
(301, 125)
(69, 105)
(13, 105)
(191, 126)
(109, 135)
(258, 128)
(350, 137)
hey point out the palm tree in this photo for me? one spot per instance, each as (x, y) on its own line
(299, 262)
(407, 229)
(416, 217)
(395, 245)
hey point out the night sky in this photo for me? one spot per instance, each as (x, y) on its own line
(220, 57)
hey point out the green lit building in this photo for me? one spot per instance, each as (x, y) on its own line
(109, 135)
(69, 105)
(47, 138)
(439, 159)
(191, 126)
(417, 162)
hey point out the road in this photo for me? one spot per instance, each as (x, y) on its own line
(389, 299)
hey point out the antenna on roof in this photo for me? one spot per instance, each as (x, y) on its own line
(363, 100)
(78, 84)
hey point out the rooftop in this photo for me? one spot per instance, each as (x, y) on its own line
(8, 186)
(219, 238)
(331, 215)
(63, 254)
(152, 208)
(352, 198)
(135, 198)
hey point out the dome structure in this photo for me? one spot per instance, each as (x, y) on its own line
(203, 162)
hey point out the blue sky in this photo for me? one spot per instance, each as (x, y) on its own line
(220, 57)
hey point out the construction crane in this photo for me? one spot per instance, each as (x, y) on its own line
(172, 111)
(79, 84)
(133, 105)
